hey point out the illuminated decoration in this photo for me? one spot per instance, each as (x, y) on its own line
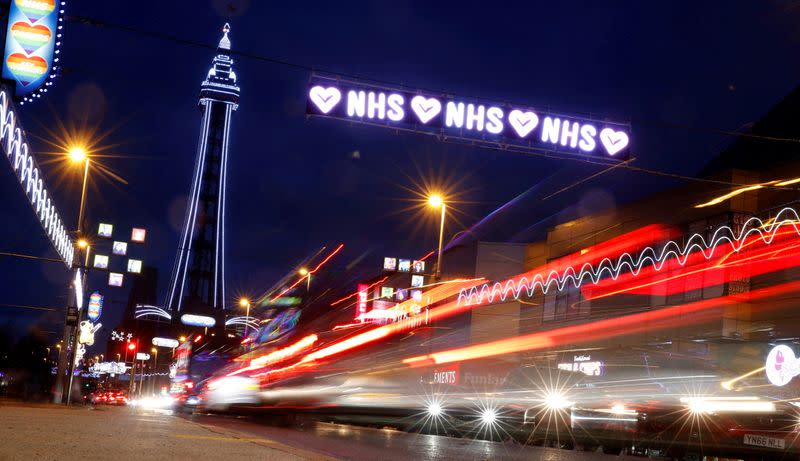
(387, 292)
(416, 295)
(105, 230)
(142, 356)
(781, 365)
(404, 265)
(115, 279)
(198, 320)
(77, 285)
(146, 310)
(585, 365)
(389, 264)
(363, 296)
(108, 368)
(134, 266)
(417, 281)
(418, 267)
(120, 248)
(483, 122)
(165, 342)
(33, 45)
(201, 247)
(242, 320)
(654, 260)
(138, 235)
(100, 261)
(86, 331)
(95, 306)
(121, 336)
(15, 146)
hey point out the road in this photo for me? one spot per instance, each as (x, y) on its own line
(49, 432)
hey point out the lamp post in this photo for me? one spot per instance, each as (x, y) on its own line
(153, 371)
(436, 201)
(244, 302)
(73, 314)
(305, 273)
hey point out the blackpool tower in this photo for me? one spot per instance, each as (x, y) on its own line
(198, 276)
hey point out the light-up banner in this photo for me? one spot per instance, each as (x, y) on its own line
(15, 146)
(483, 122)
(32, 41)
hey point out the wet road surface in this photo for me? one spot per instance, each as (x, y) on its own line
(361, 443)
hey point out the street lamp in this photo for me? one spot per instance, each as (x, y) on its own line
(244, 302)
(436, 201)
(305, 273)
(78, 154)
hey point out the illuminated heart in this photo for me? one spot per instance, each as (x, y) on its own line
(30, 37)
(613, 141)
(425, 108)
(523, 122)
(36, 9)
(26, 69)
(325, 98)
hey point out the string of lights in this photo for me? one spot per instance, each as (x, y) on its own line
(696, 244)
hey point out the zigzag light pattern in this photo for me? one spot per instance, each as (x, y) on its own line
(29, 175)
(589, 273)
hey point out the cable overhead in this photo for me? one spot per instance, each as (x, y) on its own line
(305, 67)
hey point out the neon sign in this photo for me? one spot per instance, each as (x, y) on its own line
(781, 365)
(165, 342)
(95, 306)
(481, 121)
(29, 176)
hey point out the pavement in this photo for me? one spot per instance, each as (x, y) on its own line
(51, 432)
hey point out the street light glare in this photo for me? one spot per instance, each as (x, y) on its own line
(77, 154)
(435, 200)
(244, 302)
(303, 271)
(83, 243)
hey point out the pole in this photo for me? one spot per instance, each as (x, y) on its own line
(83, 196)
(247, 318)
(132, 377)
(439, 254)
(153, 374)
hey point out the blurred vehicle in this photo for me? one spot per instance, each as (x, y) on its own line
(107, 397)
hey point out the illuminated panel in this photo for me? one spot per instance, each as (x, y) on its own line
(479, 120)
(15, 146)
(33, 42)
(668, 317)
(198, 320)
(361, 304)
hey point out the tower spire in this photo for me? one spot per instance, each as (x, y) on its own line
(225, 42)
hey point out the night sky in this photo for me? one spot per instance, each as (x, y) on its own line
(296, 184)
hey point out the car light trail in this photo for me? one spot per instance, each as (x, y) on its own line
(309, 273)
(278, 355)
(666, 317)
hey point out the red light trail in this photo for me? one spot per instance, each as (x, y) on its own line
(674, 316)
(322, 263)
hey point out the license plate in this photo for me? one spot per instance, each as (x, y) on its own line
(762, 441)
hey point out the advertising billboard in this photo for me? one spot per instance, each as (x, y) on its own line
(33, 37)
(502, 125)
